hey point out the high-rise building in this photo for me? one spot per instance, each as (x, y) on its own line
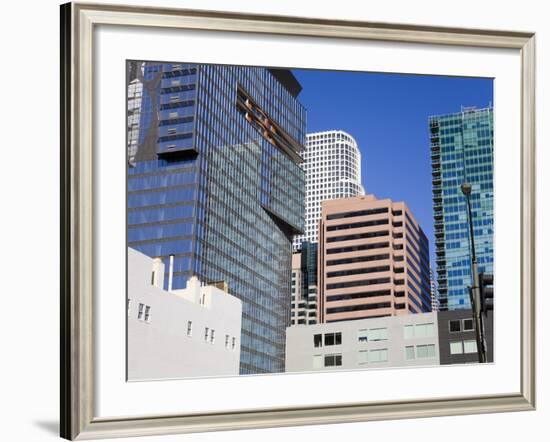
(373, 260)
(135, 92)
(433, 292)
(462, 151)
(332, 162)
(216, 183)
(304, 285)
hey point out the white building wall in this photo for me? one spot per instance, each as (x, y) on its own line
(159, 345)
(359, 347)
(332, 162)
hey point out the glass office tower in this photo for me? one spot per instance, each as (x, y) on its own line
(215, 187)
(304, 285)
(462, 151)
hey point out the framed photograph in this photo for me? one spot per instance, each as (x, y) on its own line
(274, 221)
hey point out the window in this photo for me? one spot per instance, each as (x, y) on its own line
(333, 360)
(333, 338)
(408, 331)
(456, 348)
(454, 326)
(317, 361)
(140, 311)
(153, 278)
(189, 328)
(378, 334)
(362, 336)
(227, 342)
(378, 355)
(363, 357)
(233, 343)
(147, 317)
(206, 333)
(425, 351)
(470, 346)
(409, 352)
(212, 332)
(424, 330)
(317, 340)
(468, 325)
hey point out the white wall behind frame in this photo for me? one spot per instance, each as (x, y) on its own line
(29, 378)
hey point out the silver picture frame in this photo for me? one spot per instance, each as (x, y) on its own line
(78, 21)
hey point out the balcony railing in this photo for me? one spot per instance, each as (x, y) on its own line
(175, 114)
(178, 97)
(176, 129)
(177, 147)
(178, 82)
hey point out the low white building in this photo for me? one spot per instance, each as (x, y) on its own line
(192, 332)
(393, 341)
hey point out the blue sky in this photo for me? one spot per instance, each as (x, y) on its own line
(388, 116)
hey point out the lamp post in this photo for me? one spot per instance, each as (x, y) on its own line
(475, 297)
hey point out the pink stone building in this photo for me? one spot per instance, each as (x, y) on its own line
(373, 260)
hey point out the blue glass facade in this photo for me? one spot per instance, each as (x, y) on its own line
(221, 196)
(462, 151)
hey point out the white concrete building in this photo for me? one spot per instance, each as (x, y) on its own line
(332, 162)
(192, 332)
(394, 341)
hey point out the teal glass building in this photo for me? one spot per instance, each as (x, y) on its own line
(216, 183)
(461, 151)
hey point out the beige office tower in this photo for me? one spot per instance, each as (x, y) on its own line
(373, 260)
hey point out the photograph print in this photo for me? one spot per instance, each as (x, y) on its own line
(298, 220)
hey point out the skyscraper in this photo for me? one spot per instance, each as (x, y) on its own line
(332, 162)
(462, 151)
(433, 292)
(373, 260)
(304, 285)
(216, 191)
(135, 93)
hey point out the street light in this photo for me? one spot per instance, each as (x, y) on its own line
(475, 298)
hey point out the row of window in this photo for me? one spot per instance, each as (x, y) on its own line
(463, 347)
(329, 339)
(426, 330)
(209, 336)
(144, 312)
(366, 356)
(419, 351)
(412, 352)
(457, 325)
